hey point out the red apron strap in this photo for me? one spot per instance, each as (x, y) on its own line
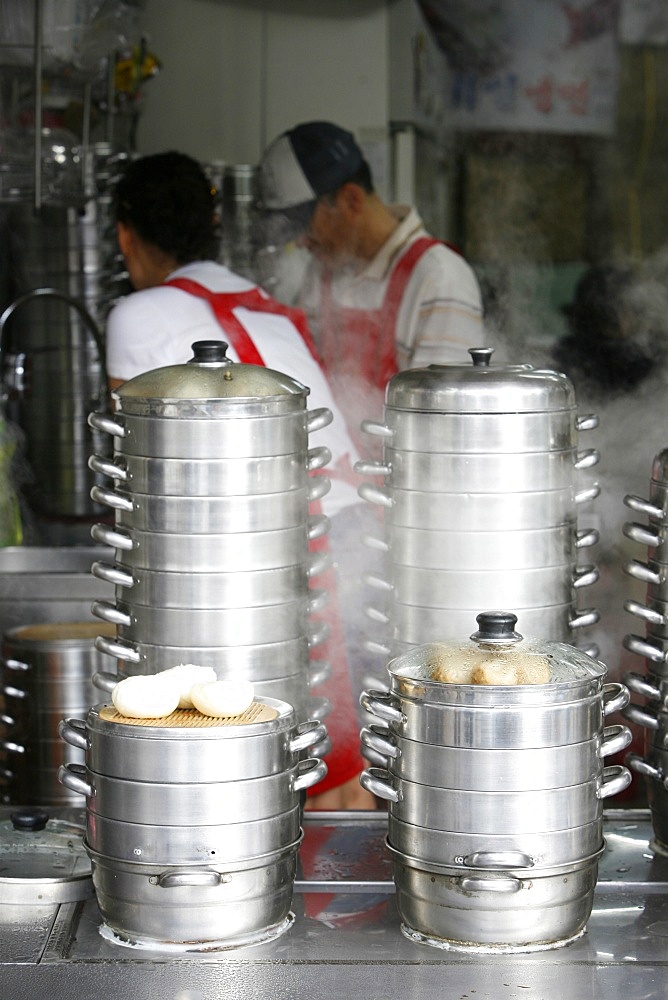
(223, 304)
(400, 276)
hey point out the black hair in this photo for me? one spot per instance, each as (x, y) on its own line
(170, 203)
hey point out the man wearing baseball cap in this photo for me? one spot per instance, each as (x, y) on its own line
(380, 294)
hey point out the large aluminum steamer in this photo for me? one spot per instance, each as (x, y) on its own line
(495, 790)
(653, 646)
(212, 496)
(480, 502)
(193, 824)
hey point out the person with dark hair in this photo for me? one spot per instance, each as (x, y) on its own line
(167, 232)
(381, 295)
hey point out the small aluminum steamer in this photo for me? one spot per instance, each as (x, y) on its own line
(495, 790)
(193, 824)
(480, 502)
(212, 502)
(653, 685)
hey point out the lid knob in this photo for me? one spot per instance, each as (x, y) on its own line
(29, 819)
(496, 627)
(209, 352)
(481, 356)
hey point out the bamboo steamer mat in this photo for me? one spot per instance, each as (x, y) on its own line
(190, 718)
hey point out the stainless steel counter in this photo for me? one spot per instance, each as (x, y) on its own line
(346, 940)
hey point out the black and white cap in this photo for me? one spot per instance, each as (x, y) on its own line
(301, 165)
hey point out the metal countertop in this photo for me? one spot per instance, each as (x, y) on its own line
(346, 940)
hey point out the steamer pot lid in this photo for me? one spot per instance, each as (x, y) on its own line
(481, 388)
(42, 859)
(496, 650)
(210, 375)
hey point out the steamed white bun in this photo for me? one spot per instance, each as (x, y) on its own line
(145, 697)
(220, 698)
(185, 675)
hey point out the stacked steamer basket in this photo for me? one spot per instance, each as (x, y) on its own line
(653, 685)
(193, 823)
(47, 671)
(495, 790)
(213, 524)
(479, 503)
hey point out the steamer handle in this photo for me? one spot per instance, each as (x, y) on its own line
(378, 430)
(375, 495)
(318, 418)
(636, 644)
(647, 614)
(318, 525)
(644, 507)
(374, 758)
(318, 487)
(642, 534)
(71, 776)
(615, 738)
(638, 715)
(111, 499)
(102, 422)
(105, 681)
(585, 459)
(308, 734)
(615, 779)
(377, 738)
(10, 747)
(310, 772)
(318, 672)
(116, 539)
(382, 704)
(505, 885)
(363, 468)
(121, 650)
(615, 696)
(318, 458)
(106, 468)
(499, 860)
(373, 779)
(641, 571)
(110, 613)
(639, 684)
(112, 574)
(18, 665)
(73, 731)
(198, 877)
(640, 766)
(587, 422)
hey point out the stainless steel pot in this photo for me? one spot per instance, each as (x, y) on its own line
(213, 907)
(485, 550)
(156, 754)
(483, 472)
(193, 803)
(470, 850)
(47, 671)
(207, 553)
(254, 662)
(210, 515)
(210, 626)
(464, 511)
(496, 911)
(409, 425)
(211, 477)
(495, 770)
(157, 588)
(460, 589)
(215, 844)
